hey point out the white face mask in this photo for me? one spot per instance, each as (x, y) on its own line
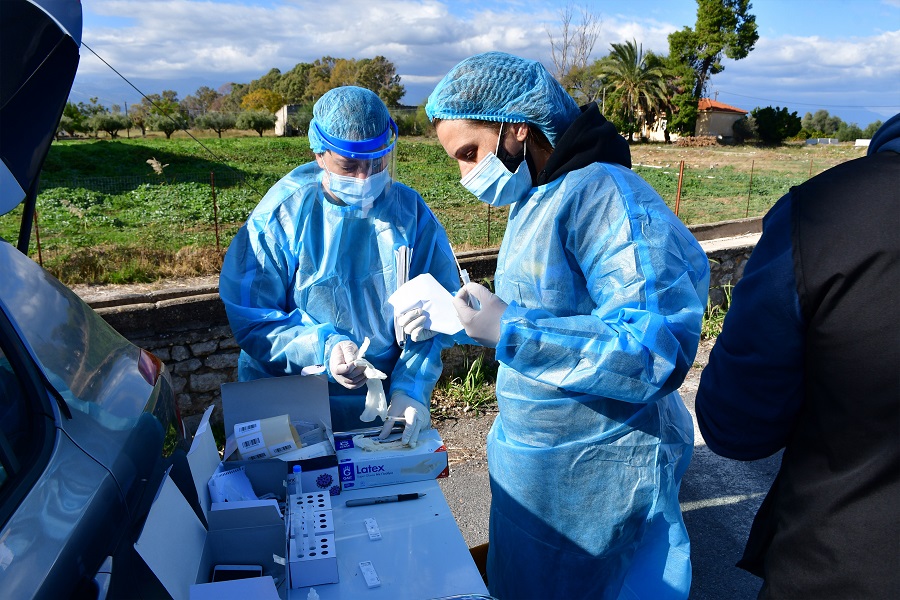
(493, 184)
(356, 192)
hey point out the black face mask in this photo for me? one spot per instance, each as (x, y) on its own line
(510, 161)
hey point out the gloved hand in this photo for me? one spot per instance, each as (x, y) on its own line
(413, 324)
(412, 414)
(482, 325)
(342, 368)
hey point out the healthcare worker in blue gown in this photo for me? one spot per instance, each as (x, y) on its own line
(307, 278)
(600, 291)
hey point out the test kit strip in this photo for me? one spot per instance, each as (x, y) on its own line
(369, 574)
(372, 529)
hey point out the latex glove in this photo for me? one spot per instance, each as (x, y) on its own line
(414, 415)
(413, 324)
(376, 405)
(482, 325)
(342, 366)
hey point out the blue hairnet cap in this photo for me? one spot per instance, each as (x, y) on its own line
(352, 121)
(495, 86)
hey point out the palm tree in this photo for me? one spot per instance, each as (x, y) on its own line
(641, 86)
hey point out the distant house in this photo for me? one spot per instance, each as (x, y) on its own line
(716, 118)
(282, 122)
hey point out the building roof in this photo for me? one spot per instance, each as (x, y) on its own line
(710, 104)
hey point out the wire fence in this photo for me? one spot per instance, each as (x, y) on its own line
(126, 183)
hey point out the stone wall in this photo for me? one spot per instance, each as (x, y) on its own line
(188, 330)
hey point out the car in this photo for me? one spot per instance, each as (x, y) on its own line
(89, 425)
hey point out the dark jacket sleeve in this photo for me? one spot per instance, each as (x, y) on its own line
(752, 389)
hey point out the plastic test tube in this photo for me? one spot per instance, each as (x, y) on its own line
(464, 277)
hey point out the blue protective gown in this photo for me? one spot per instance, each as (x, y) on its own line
(607, 289)
(303, 274)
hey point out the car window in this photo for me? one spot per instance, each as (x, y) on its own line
(15, 419)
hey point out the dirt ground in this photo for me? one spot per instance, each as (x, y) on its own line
(465, 434)
(794, 157)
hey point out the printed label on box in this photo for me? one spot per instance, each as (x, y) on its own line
(347, 474)
(343, 443)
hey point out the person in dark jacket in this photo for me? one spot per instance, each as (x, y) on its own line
(809, 361)
(596, 321)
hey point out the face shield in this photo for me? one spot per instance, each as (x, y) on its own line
(357, 173)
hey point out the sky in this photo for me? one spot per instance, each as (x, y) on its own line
(842, 56)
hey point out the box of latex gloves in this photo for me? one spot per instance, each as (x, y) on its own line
(286, 419)
(364, 461)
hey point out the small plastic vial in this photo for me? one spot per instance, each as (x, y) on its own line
(294, 486)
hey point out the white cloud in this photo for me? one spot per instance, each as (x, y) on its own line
(182, 40)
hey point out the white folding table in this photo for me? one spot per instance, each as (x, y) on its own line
(421, 554)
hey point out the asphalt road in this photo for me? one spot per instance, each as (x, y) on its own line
(719, 498)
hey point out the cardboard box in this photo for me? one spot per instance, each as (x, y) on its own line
(182, 552)
(304, 398)
(363, 469)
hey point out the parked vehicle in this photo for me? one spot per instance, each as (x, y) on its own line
(88, 421)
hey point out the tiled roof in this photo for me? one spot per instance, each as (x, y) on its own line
(709, 104)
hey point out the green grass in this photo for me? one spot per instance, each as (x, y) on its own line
(105, 216)
(714, 317)
(474, 391)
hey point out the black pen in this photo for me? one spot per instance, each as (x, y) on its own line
(383, 499)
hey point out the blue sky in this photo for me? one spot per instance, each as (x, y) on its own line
(833, 54)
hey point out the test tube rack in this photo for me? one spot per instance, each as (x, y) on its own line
(311, 548)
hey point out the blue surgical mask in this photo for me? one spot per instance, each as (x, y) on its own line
(493, 184)
(356, 192)
(492, 179)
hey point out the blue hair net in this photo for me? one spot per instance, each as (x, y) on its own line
(352, 121)
(495, 86)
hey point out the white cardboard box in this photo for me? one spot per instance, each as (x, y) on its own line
(364, 469)
(181, 551)
(302, 398)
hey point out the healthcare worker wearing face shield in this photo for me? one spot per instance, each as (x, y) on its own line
(306, 279)
(596, 321)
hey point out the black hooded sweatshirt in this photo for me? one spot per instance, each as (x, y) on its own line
(589, 139)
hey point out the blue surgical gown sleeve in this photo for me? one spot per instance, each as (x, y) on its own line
(752, 388)
(419, 366)
(256, 285)
(639, 281)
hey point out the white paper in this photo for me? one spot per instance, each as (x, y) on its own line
(423, 291)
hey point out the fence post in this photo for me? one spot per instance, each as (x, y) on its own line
(212, 183)
(747, 212)
(810, 168)
(678, 193)
(37, 236)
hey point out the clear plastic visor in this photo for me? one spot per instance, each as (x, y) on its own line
(363, 158)
(360, 168)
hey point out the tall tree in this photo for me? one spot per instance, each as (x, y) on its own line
(269, 81)
(641, 87)
(724, 28)
(200, 102)
(572, 47)
(263, 100)
(380, 75)
(774, 125)
(292, 84)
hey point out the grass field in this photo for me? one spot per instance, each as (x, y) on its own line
(105, 215)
